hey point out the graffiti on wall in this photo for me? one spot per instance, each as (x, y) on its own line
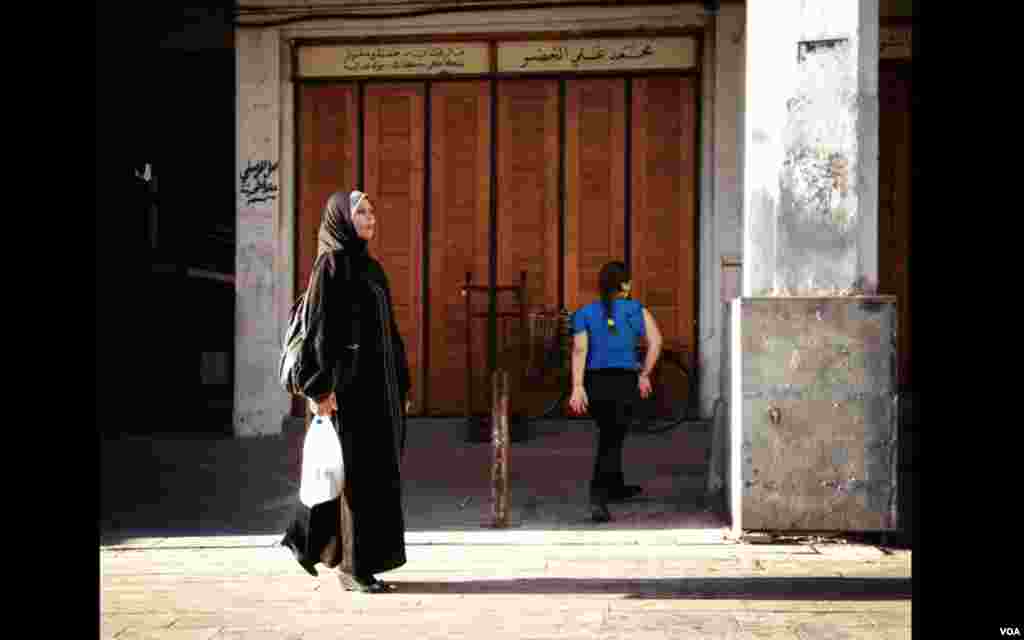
(257, 182)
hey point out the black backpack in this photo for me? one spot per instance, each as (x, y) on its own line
(293, 363)
(296, 365)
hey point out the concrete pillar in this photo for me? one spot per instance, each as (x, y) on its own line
(260, 404)
(722, 228)
(813, 417)
(811, 147)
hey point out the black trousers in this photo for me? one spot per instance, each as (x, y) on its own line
(611, 394)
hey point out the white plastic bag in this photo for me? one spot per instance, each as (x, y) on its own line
(322, 465)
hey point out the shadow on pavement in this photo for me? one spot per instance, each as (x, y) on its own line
(180, 485)
(742, 588)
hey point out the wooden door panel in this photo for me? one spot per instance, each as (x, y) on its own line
(327, 134)
(528, 216)
(327, 131)
(528, 211)
(460, 146)
(595, 183)
(664, 213)
(393, 161)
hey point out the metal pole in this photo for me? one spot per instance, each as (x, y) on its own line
(500, 440)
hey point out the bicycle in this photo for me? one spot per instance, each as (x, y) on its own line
(546, 379)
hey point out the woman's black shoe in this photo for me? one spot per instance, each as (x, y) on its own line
(310, 567)
(362, 584)
(599, 513)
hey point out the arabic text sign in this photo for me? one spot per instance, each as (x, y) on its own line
(597, 55)
(327, 61)
(895, 43)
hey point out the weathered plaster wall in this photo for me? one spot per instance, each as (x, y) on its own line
(814, 435)
(259, 403)
(811, 173)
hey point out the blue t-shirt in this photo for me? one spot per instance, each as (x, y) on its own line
(607, 350)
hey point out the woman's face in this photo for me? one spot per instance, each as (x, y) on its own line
(364, 220)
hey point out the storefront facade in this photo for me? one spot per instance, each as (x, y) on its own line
(497, 142)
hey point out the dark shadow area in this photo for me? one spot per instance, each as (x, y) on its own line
(882, 539)
(178, 484)
(165, 219)
(741, 588)
(184, 484)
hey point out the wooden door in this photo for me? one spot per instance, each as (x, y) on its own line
(894, 210)
(661, 176)
(393, 161)
(595, 160)
(528, 225)
(460, 205)
(664, 203)
(327, 163)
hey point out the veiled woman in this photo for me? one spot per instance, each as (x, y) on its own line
(361, 382)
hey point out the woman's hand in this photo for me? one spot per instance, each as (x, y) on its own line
(578, 401)
(645, 385)
(325, 408)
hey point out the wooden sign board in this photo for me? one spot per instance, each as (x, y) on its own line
(428, 59)
(614, 54)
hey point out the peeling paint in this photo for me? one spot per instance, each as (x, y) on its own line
(804, 239)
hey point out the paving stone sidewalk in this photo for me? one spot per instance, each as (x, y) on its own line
(190, 526)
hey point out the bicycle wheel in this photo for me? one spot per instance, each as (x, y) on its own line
(669, 404)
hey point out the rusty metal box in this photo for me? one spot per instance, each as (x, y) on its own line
(813, 441)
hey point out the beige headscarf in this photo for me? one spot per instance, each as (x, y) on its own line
(337, 233)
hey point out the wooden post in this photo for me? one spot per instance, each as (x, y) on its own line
(523, 333)
(500, 440)
(467, 293)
